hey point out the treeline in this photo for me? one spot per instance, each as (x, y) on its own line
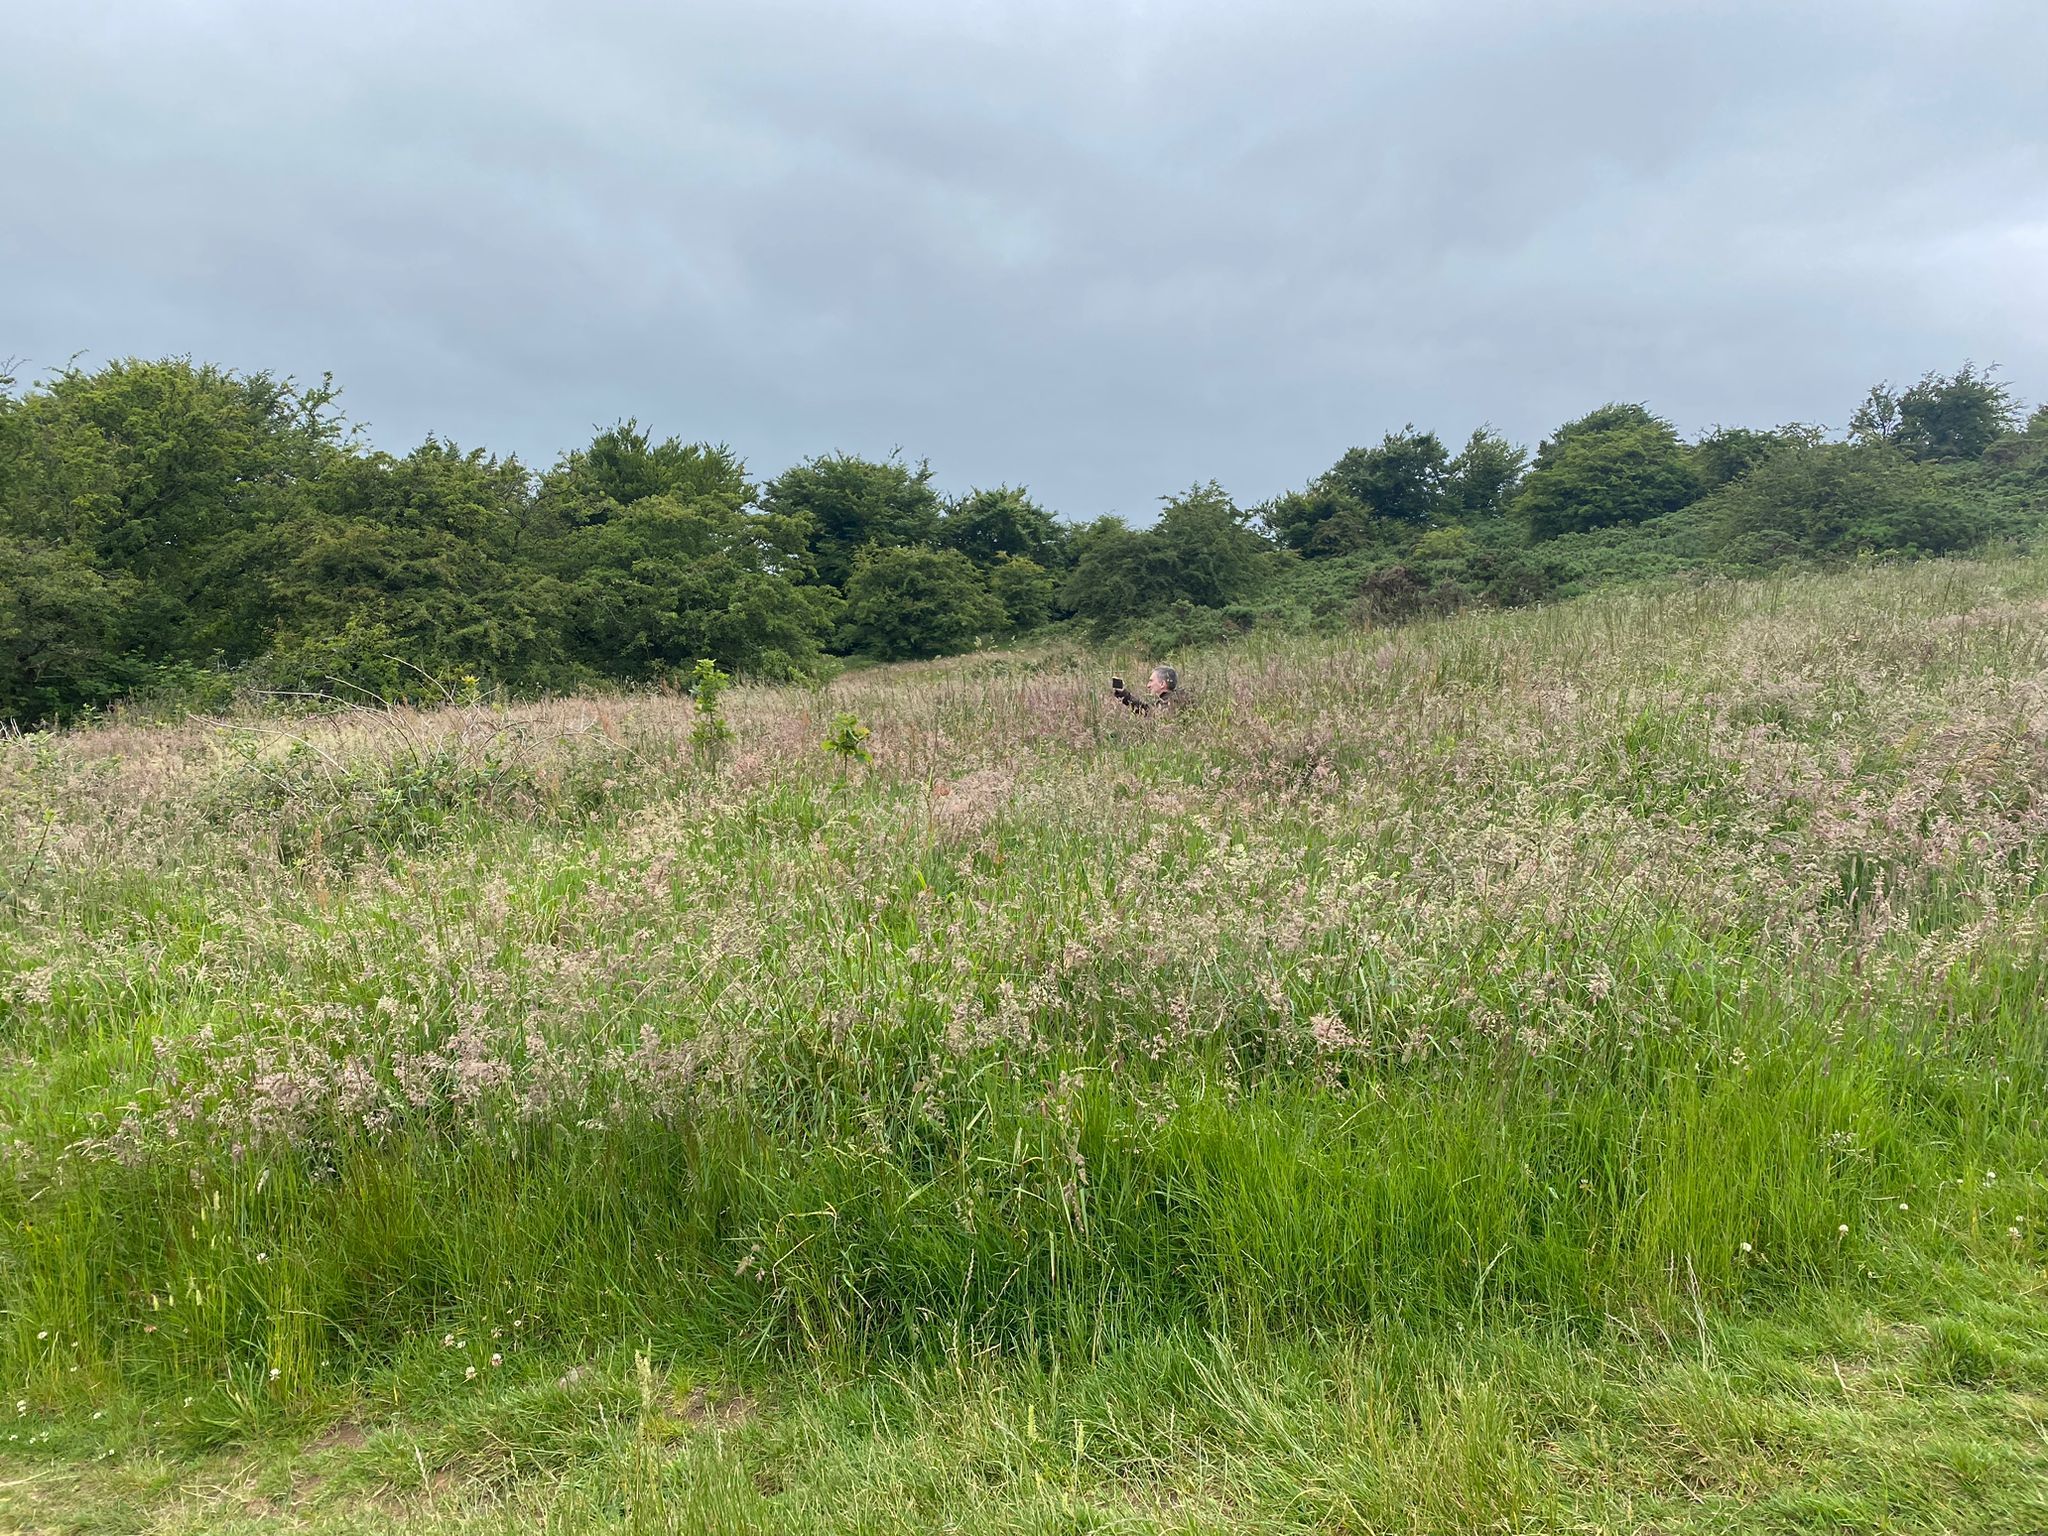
(179, 529)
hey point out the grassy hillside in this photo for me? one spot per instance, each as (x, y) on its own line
(1573, 1069)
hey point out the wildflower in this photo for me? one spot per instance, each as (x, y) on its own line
(99, 1413)
(1902, 1205)
(447, 1341)
(21, 1405)
(497, 1359)
(2013, 1233)
(262, 1257)
(1747, 1249)
(43, 1335)
(275, 1373)
(469, 1373)
(1842, 1230)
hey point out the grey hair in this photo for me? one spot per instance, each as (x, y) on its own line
(1172, 677)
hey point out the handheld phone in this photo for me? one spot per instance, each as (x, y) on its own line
(1116, 685)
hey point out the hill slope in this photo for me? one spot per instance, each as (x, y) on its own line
(1576, 1067)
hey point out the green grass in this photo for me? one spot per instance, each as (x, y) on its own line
(1576, 1069)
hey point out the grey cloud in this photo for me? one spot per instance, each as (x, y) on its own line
(1104, 248)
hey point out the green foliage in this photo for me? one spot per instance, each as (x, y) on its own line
(1726, 454)
(990, 526)
(707, 686)
(425, 546)
(904, 603)
(1616, 465)
(1203, 552)
(624, 465)
(1484, 475)
(1409, 481)
(1322, 522)
(846, 503)
(847, 739)
(1954, 416)
(1838, 498)
(1026, 591)
(174, 531)
(1615, 416)
(57, 628)
(1404, 479)
(1211, 550)
(361, 662)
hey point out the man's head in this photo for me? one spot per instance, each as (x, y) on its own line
(1162, 682)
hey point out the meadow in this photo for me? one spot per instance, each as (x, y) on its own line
(1572, 1069)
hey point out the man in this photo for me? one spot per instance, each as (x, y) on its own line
(1160, 685)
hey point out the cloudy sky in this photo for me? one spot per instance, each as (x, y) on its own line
(1103, 247)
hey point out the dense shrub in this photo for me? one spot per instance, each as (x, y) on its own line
(908, 602)
(1836, 498)
(1609, 468)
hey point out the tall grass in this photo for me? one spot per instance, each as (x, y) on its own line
(1653, 955)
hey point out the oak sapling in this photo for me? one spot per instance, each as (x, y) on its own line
(707, 684)
(847, 740)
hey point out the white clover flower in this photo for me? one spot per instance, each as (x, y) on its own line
(469, 1373)
(497, 1359)
(1842, 1230)
(1747, 1249)
(275, 1373)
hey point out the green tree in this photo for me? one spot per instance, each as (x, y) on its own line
(1203, 552)
(1403, 479)
(903, 602)
(58, 618)
(1320, 521)
(1482, 478)
(428, 548)
(1836, 498)
(1025, 589)
(1726, 454)
(682, 572)
(1956, 417)
(1118, 571)
(847, 503)
(1615, 416)
(987, 526)
(1212, 553)
(195, 467)
(624, 464)
(1616, 465)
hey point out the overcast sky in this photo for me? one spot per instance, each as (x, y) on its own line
(1105, 248)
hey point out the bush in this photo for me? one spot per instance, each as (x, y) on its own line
(1602, 476)
(907, 603)
(359, 664)
(1838, 498)
(1024, 589)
